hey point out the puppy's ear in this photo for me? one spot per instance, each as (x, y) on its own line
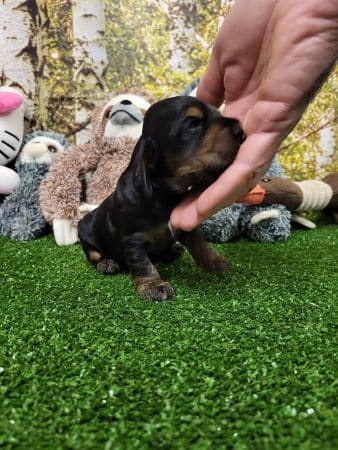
(145, 160)
(149, 152)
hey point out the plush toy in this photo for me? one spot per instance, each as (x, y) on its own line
(298, 197)
(11, 136)
(262, 223)
(20, 213)
(115, 127)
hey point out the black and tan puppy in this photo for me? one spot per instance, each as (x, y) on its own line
(185, 145)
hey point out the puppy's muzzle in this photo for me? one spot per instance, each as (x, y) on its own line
(235, 128)
(238, 132)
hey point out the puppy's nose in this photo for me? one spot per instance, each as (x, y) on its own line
(238, 132)
(125, 102)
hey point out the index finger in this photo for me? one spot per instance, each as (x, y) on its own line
(252, 161)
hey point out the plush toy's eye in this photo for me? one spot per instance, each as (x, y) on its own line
(107, 113)
(52, 149)
(266, 180)
(192, 122)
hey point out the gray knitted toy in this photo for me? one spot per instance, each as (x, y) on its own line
(20, 213)
(259, 223)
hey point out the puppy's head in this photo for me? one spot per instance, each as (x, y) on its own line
(188, 143)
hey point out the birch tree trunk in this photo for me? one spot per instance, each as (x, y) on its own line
(42, 27)
(23, 55)
(90, 60)
(182, 16)
(18, 50)
(327, 144)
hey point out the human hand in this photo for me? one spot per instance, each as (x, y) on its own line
(269, 59)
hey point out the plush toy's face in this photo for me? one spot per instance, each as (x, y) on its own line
(41, 149)
(11, 124)
(123, 116)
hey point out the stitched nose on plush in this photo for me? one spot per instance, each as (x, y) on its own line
(125, 113)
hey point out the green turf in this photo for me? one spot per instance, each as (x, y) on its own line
(242, 361)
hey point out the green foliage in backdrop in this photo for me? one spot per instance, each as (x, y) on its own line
(138, 48)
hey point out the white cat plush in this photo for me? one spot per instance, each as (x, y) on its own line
(11, 135)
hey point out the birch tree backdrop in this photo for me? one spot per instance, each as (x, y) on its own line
(65, 55)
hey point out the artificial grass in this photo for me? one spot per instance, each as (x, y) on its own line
(241, 361)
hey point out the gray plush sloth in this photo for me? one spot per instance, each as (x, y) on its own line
(20, 214)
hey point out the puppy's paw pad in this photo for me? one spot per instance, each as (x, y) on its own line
(107, 267)
(216, 264)
(156, 290)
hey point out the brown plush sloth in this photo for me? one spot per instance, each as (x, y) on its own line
(185, 145)
(116, 125)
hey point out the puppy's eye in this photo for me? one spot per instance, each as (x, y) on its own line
(192, 122)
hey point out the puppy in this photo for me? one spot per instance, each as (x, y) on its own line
(185, 145)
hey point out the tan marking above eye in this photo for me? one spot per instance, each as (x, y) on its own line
(194, 111)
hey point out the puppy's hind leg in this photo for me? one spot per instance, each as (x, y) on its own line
(203, 255)
(145, 276)
(104, 266)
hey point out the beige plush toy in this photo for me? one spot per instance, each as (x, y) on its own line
(86, 174)
(298, 197)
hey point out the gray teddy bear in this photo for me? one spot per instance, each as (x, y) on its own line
(20, 213)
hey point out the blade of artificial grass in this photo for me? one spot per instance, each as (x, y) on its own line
(241, 361)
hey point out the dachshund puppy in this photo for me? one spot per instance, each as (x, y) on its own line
(185, 145)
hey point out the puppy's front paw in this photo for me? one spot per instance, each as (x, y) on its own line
(215, 264)
(177, 251)
(107, 267)
(173, 253)
(155, 290)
